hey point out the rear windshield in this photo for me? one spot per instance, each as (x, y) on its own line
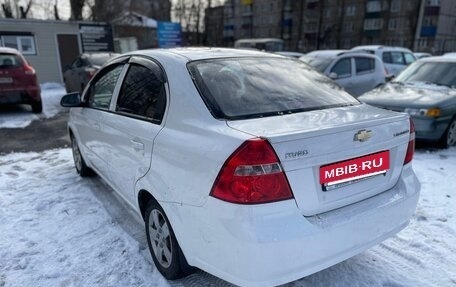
(9, 61)
(241, 88)
(319, 64)
(438, 73)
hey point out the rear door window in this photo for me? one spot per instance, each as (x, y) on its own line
(364, 65)
(142, 94)
(241, 88)
(342, 68)
(102, 89)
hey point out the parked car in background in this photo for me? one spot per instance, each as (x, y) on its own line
(261, 44)
(451, 54)
(296, 55)
(18, 80)
(395, 58)
(356, 72)
(422, 55)
(248, 165)
(427, 91)
(78, 74)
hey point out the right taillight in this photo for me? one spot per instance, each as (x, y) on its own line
(411, 144)
(252, 174)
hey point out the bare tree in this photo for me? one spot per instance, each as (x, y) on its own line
(16, 10)
(190, 14)
(76, 9)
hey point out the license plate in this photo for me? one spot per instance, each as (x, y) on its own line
(6, 80)
(355, 169)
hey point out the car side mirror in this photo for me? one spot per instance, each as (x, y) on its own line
(72, 100)
(389, 78)
(333, 75)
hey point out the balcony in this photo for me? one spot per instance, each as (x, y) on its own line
(432, 11)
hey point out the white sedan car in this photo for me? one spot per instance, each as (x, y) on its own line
(247, 165)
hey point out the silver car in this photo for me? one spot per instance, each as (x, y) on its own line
(427, 91)
(356, 72)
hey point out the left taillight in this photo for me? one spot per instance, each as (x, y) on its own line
(411, 144)
(251, 175)
(28, 70)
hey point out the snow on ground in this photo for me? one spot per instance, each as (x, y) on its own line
(57, 229)
(21, 116)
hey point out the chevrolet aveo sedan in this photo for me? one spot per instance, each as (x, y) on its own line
(250, 166)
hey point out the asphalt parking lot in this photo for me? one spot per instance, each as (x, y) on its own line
(40, 135)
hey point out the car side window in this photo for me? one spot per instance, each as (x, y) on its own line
(342, 68)
(142, 94)
(100, 91)
(393, 58)
(364, 65)
(409, 58)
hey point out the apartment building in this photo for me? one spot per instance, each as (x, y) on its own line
(305, 25)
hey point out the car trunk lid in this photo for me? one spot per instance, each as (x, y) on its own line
(311, 143)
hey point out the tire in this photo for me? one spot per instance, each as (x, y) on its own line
(37, 107)
(163, 246)
(79, 163)
(449, 137)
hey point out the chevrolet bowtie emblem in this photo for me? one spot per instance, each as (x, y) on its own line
(363, 135)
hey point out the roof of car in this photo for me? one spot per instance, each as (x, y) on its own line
(378, 47)
(439, 59)
(200, 53)
(9, 50)
(325, 53)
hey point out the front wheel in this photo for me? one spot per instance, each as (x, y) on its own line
(449, 137)
(163, 246)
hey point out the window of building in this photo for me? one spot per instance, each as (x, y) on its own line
(373, 6)
(348, 27)
(392, 24)
(142, 94)
(100, 91)
(364, 65)
(328, 13)
(433, 2)
(373, 24)
(395, 6)
(350, 10)
(24, 44)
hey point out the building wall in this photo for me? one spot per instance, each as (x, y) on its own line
(306, 25)
(46, 61)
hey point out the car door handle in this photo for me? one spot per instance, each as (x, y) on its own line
(137, 146)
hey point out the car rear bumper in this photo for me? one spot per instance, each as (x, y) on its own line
(430, 129)
(25, 95)
(272, 244)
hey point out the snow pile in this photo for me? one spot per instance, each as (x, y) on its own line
(58, 229)
(20, 117)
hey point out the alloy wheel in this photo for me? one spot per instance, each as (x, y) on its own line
(160, 238)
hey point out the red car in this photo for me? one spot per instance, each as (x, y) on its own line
(18, 81)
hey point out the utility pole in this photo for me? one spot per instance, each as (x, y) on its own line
(419, 24)
(320, 21)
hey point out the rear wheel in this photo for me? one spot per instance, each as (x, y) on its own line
(163, 246)
(81, 167)
(449, 137)
(37, 107)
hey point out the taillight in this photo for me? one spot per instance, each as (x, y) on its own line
(411, 144)
(252, 174)
(28, 70)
